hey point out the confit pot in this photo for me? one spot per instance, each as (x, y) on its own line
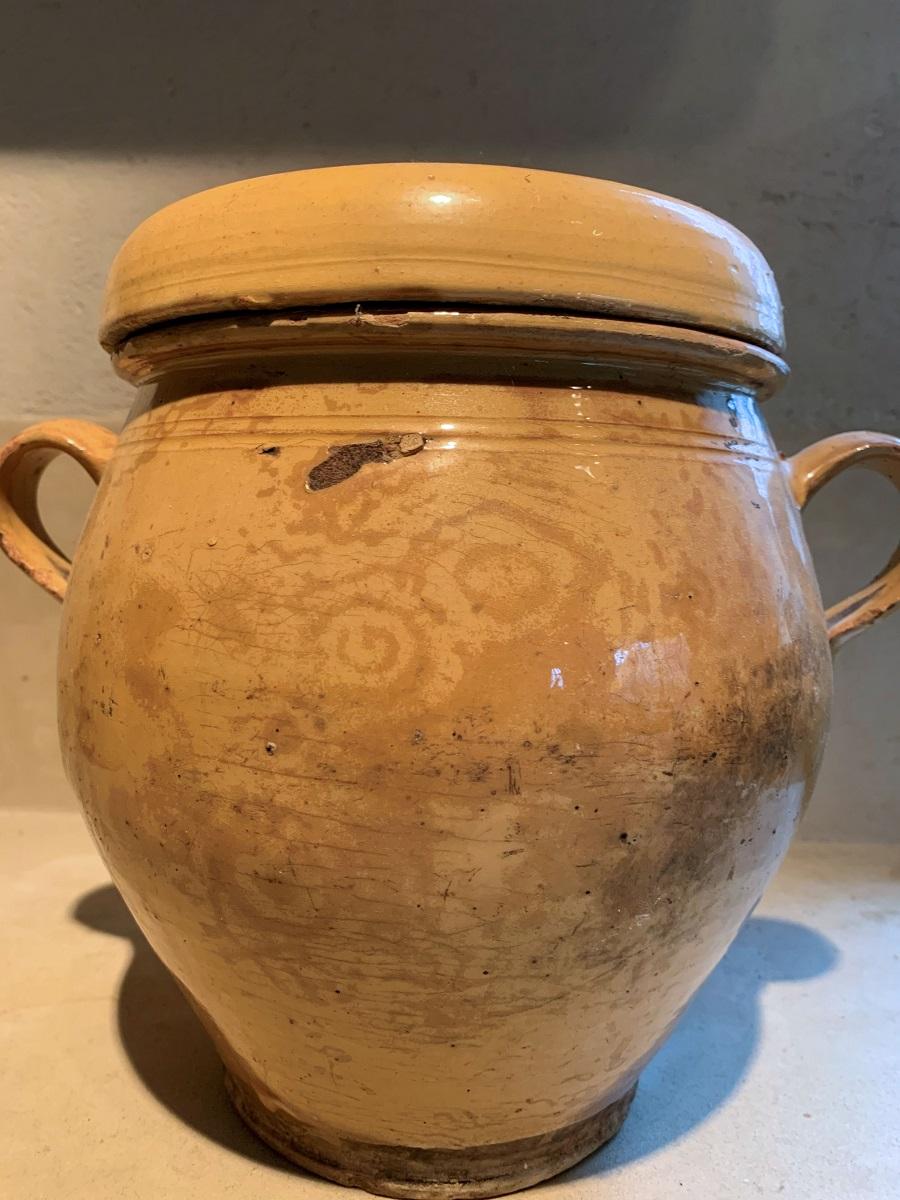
(442, 671)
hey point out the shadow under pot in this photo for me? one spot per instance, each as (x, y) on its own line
(443, 672)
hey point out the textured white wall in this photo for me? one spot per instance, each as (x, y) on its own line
(782, 116)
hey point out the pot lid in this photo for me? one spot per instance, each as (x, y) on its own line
(442, 233)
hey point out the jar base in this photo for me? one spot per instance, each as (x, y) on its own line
(412, 1172)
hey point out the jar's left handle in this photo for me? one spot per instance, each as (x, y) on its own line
(23, 460)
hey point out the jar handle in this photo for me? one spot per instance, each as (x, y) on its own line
(23, 460)
(812, 468)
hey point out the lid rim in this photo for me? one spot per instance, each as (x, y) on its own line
(113, 337)
(578, 342)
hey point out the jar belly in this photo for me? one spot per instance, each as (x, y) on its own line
(442, 786)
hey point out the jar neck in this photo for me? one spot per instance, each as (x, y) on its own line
(383, 343)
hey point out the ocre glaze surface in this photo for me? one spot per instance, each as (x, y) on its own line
(442, 688)
(461, 771)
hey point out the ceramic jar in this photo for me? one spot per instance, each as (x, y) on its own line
(443, 672)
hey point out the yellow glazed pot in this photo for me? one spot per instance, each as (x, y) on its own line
(443, 673)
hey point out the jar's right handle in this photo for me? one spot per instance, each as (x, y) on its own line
(23, 460)
(812, 468)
